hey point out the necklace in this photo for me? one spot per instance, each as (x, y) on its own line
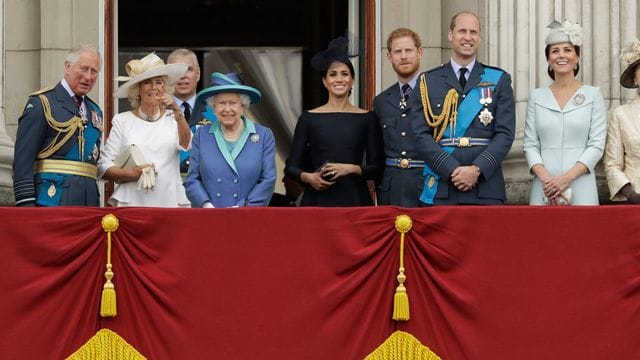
(149, 118)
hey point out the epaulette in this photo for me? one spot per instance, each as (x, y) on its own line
(42, 91)
(435, 68)
(492, 67)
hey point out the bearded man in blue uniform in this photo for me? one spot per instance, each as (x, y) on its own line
(464, 123)
(58, 140)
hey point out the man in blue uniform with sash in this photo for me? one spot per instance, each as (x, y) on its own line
(58, 140)
(464, 122)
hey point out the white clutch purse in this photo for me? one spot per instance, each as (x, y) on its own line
(564, 198)
(131, 157)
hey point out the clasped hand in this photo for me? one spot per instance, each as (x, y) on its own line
(554, 188)
(464, 178)
(326, 176)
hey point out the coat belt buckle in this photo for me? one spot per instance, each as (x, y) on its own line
(403, 164)
(464, 142)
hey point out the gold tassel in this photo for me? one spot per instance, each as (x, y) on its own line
(401, 298)
(108, 306)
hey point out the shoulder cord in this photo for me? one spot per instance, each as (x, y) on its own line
(69, 127)
(449, 109)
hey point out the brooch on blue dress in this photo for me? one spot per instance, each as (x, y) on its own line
(254, 138)
(578, 99)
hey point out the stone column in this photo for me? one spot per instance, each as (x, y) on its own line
(421, 16)
(37, 37)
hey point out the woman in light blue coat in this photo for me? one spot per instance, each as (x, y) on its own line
(232, 161)
(565, 129)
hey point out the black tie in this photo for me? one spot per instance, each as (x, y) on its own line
(187, 110)
(78, 100)
(406, 90)
(463, 79)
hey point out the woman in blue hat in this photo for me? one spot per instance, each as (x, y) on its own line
(233, 159)
(331, 141)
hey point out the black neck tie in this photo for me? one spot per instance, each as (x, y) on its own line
(187, 110)
(463, 78)
(406, 90)
(78, 100)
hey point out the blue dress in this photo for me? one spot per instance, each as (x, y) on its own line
(244, 176)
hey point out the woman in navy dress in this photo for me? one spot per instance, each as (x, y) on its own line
(336, 147)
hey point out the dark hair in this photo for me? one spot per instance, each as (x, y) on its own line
(547, 51)
(344, 61)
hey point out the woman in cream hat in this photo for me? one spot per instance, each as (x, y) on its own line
(151, 134)
(622, 153)
(565, 128)
(232, 163)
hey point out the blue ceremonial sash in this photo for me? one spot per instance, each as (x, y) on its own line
(469, 107)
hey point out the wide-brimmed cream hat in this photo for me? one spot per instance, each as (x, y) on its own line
(631, 56)
(148, 67)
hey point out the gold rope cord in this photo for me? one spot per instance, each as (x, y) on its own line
(402, 346)
(447, 116)
(403, 224)
(106, 345)
(108, 305)
(69, 127)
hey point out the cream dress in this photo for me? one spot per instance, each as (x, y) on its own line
(159, 144)
(622, 154)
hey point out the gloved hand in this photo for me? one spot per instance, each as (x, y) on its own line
(630, 194)
(147, 179)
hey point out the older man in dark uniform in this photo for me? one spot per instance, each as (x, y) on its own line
(403, 179)
(464, 123)
(58, 139)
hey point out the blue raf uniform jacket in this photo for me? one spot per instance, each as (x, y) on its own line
(196, 120)
(401, 187)
(500, 131)
(35, 134)
(245, 177)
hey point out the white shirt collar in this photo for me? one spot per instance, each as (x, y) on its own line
(66, 86)
(191, 101)
(456, 68)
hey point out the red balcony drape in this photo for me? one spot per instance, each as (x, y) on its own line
(307, 283)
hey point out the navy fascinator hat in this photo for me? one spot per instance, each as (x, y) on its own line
(340, 49)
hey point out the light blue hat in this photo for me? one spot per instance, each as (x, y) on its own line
(228, 83)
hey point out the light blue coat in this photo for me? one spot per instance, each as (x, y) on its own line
(244, 177)
(558, 138)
